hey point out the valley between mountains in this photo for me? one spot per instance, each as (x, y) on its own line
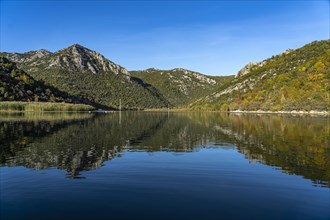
(295, 80)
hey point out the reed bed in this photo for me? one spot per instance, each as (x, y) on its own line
(44, 106)
(43, 116)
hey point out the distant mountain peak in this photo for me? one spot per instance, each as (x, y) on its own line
(43, 51)
(77, 45)
(74, 49)
(79, 58)
(75, 58)
(151, 69)
(180, 69)
(77, 48)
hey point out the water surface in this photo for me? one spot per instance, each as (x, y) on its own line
(164, 166)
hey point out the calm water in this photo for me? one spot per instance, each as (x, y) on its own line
(135, 165)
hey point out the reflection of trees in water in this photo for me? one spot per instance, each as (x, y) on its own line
(172, 134)
(298, 145)
(83, 145)
(72, 145)
(18, 130)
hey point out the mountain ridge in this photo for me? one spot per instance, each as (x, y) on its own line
(82, 72)
(75, 57)
(293, 80)
(179, 86)
(15, 84)
(266, 85)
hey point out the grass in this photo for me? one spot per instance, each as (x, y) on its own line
(43, 116)
(43, 106)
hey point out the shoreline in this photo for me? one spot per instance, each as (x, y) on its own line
(20, 106)
(40, 111)
(293, 112)
(323, 113)
(51, 107)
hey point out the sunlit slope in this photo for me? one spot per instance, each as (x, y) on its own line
(294, 80)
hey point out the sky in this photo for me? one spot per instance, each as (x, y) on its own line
(211, 37)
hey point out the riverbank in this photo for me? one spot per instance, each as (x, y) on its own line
(295, 112)
(14, 106)
(43, 106)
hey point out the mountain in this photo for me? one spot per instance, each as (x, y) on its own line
(87, 74)
(17, 85)
(75, 58)
(294, 80)
(180, 86)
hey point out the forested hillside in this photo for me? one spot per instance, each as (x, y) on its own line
(87, 74)
(294, 80)
(17, 85)
(180, 86)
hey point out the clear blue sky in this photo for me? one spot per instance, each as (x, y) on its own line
(212, 37)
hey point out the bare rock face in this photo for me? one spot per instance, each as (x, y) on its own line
(253, 65)
(79, 58)
(249, 67)
(75, 58)
(246, 69)
(202, 78)
(28, 57)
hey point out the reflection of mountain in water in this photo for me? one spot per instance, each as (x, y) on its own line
(83, 145)
(297, 145)
(70, 145)
(18, 130)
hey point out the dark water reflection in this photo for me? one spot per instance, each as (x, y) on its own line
(164, 166)
(76, 142)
